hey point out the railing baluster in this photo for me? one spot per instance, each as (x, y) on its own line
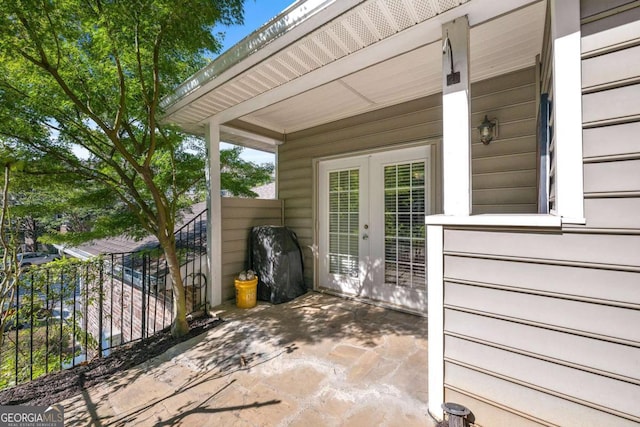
(153, 291)
(131, 303)
(47, 314)
(157, 295)
(17, 326)
(143, 313)
(61, 325)
(111, 306)
(73, 327)
(85, 316)
(100, 308)
(31, 331)
(194, 303)
(122, 301)
(164, 297)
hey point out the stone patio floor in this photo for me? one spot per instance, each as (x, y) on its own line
(315, 361)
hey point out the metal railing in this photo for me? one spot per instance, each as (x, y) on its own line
(68, 312)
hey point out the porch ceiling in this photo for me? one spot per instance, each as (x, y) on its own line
(379, 53)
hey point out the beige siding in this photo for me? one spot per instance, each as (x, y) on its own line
(238, 216)
(504, 172)
(550, 316)
(409, 122)
(542, 327)
(508, 393)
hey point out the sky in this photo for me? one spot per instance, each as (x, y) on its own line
(256, 13)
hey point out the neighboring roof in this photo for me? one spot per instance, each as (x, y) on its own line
(123, 244)
(267, 191)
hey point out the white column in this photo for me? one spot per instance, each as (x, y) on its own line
(456, 112)
(214, 215)
(435, 303)
(567, 108)
(456, 169)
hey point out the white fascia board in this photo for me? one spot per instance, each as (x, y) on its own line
(270, 39)
(410, 39)
(496, 220)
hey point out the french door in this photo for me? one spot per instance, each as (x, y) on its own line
(371, 226)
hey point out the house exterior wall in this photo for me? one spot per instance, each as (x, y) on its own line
(541, 327)
(238, 216)
(504, 172)
(386, 128)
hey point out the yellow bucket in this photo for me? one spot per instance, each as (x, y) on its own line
(246, 293)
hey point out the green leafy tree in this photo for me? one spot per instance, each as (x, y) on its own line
(35, 199)
(239, 176)
(91, 73)
(47, 203)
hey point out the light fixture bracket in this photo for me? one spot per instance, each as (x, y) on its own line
(453, 77)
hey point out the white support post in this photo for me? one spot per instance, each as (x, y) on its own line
(456, 170)
(456, 113)
(214, 215)
(435, 303)
(567, 108)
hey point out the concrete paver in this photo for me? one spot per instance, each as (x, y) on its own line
(317, 360)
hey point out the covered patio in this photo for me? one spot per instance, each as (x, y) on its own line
(424, 146)
(317, 360)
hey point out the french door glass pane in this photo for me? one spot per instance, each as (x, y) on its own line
(404, 202)
(344, 209)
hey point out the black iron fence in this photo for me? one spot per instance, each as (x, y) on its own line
(68, 312)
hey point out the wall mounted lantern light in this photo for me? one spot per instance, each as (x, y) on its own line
(488, 130)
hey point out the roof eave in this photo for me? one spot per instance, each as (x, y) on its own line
(293, 23)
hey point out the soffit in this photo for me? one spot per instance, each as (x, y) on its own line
(405, 71)
(499, 46)
(364, 25)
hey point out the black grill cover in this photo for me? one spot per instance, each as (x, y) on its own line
(276, 258)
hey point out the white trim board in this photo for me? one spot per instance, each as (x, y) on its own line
(497, 220)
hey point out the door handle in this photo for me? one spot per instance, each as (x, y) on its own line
(365, 237)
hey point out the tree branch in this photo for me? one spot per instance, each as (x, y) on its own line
(44, 64)
(155, 99)
(55, 38)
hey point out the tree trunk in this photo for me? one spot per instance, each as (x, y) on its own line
(180, 326)
(11, 269)
(30, 234)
